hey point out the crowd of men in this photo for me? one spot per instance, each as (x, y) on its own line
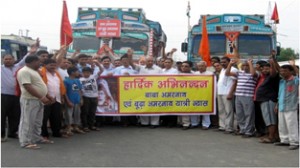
(45, 91)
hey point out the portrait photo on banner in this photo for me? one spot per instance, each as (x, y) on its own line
(107, 95)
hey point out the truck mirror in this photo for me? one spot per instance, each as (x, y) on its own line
(278, 49)
(184, 47)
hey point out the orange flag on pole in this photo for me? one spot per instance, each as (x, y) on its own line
(66, 36)
(275, 15)
(204, 44)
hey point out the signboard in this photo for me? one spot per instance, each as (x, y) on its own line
(108, 28)
(156, 95)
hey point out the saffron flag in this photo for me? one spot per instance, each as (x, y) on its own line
(275, 15)
(66, 36)
(204, 44)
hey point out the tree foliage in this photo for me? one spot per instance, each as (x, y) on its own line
(287, 54)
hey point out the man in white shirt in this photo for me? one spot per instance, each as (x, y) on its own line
(108, 68)
(56, 91)
(62, 62)
(205, 118)
(149, 69)
(226, 88)
(185, 120)
(170, 120)
(126, 69)
(168, 64)
(62, 69)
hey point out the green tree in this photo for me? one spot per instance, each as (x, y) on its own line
(287, 54)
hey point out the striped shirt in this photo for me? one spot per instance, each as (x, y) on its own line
(245, 84)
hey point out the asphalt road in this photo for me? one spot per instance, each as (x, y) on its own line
(145, 147)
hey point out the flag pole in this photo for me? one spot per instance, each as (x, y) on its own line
(275, 28)
(268, 18)
(189, 16)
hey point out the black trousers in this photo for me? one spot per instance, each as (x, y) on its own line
(214, 119)
(10, 109)
(260, 125)
(88, 111)
(129, 120)
(169, 120)
(52, 113)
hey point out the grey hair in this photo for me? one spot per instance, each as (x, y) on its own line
(149, 57)
(202, 62)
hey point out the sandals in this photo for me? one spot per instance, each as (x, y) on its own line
(91, 129)
(77, 130)
(45, 141)
(65, 135)
(86, 129)
(238, 133)
(94, 129)
(31, 146)
(266, 140)
(69, 133)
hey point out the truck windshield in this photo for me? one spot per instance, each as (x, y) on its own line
(247, 44)
(254, 44)
(216, 44)
(133, 40)
(86, 43)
